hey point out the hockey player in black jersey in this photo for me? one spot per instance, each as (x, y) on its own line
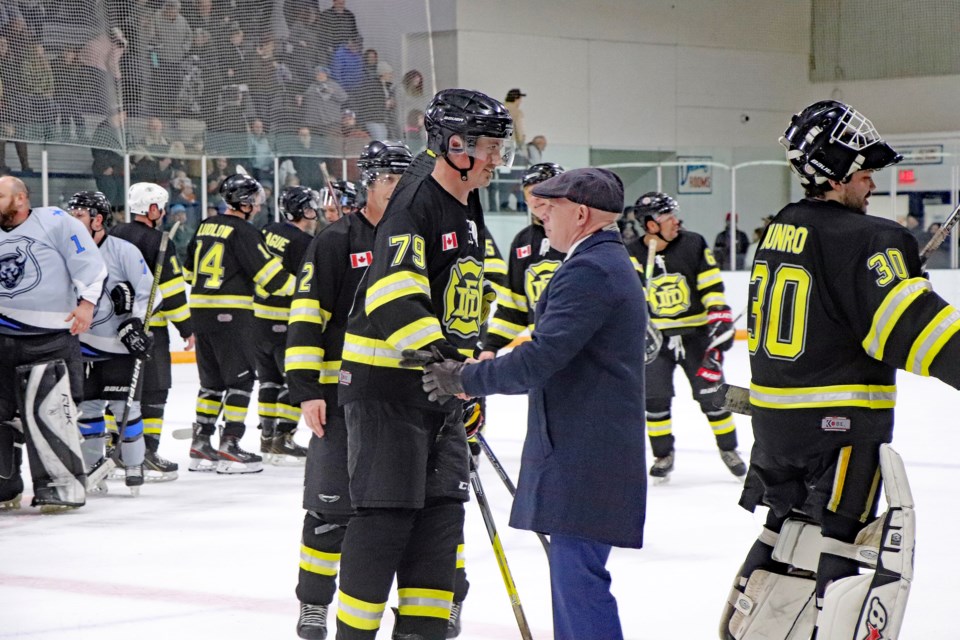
(530, 266)
(838, 302)
(288, 241)
(226, 260)
(331, 271)
(147, 203)
(687, 304)
(339, 201)
(408, 455)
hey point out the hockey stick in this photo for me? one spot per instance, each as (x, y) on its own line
(330, 189)
(138, 362)
(937, 239)
(653, 334)
(498, 552)
(507, 481)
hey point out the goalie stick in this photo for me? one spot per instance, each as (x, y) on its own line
(737, 399)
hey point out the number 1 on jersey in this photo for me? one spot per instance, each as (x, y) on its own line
(211, 264)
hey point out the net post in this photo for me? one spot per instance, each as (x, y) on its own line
(126, 187)
(45, 177)
(203, 187)
(276, 188)
(732, 241)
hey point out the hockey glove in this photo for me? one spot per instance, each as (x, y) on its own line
(134, 338)
(720, 327)
(473, 416)
(711, 369)
(122, 296)
(442, 380)
(653, 344)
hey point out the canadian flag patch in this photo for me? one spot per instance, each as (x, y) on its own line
(524, 251)
(362, 259)
(449, 241)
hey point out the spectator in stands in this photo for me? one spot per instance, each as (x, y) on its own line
(184, 233)
(217, 173)
(187, 198)
(721, 245)
(260, 153)
(336, 25)
(236, 57)
(757, 237)
(38, 75)
(410, 96)
(204, 57)
(199, 13)
(355, 138)
(306, 48)
(323, 103)
(374, 101)
(107, 163)
(100, 72)
(347, 66)
(12, 105)
(913, 226)
(305, 162)
(939, 259)
(414, 133)
(512, 103)
(535, 148)
(151, 162)
(168, 42)
(268, 81)
(385, 74)
(66, 79)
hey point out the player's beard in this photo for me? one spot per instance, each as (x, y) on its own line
(7, 216)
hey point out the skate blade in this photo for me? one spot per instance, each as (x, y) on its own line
(95, 481)
(134, 491)
(659, 481)
(160, 476)
(202, 464)
(231, 467)
(50, 509)
(12, 504)
(98, 490)
(284, 460)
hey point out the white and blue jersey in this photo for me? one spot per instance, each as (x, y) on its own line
(47, 264)
(124, 263)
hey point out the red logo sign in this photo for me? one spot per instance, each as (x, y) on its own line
(524, 251)
(362, 259)
(449, 241)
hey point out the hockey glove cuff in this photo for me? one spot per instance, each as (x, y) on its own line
(653, 344)
(413, 358)
(443, 379)
(134, 338)
(122, 297)
(720, 327)
(711, 369)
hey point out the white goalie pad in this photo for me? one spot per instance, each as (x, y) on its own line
(872, 606)
(773, 606)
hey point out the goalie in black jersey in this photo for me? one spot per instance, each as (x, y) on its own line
(687, 305)
(838, 302)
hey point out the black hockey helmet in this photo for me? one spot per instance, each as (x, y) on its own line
(344, 193)
(652, 204)
(540, 172)
(831, 141)
(294, 201)
(471, 115)
(383, 156)
(95, 201)
(239, 190)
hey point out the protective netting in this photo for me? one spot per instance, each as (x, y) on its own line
(239, 81)
(875, 39)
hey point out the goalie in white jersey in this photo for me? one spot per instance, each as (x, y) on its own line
(51, 276)
(110, 348)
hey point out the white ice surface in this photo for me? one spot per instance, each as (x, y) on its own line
(211, 556)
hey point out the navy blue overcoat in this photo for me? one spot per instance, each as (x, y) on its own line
(583, 470)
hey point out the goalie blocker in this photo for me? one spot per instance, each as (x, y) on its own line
(771, 605)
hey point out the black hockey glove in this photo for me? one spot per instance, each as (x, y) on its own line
(442, 380)
(134, 338)
(653, 344)
(711, 369)
(720, 327)
(122, 296)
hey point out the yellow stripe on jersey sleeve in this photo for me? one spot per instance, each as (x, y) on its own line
(303, 359)
(890, 311)
(308, 310)
(394, 286)
(928, 344)
(417, 334)
(709, 278)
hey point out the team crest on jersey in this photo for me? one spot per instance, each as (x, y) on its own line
(462, 299)
(19, 268)
(669, 295)
(537, 277)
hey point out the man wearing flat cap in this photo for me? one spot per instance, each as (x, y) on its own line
(582, 371)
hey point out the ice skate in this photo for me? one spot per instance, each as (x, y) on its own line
(267, 434)
(133, 478)
(312, 624)
(284, 451)
(233, 459)
(661, 468)
(156, 468)
(203, 457)
(50, 502)
(12, 504)
(113, 453)
(97, 478)
(734, 462)
(453, 624)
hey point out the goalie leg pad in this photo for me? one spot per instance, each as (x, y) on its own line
(872, 606)
(11, 457)
(772, 605)
(53, 438)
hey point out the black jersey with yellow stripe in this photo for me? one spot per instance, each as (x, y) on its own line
(330, 273)
(174, 307)
(685, 282)
(530, 265)
(425, 287)
(288, 243)
(226, 259)
(838, 303)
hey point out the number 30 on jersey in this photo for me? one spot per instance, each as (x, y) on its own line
(781, 325)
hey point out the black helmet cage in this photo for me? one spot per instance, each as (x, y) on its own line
(465, 113)
(296, 200)
(380, 157)
(831, 141)
(652, 204)
(95, 201)
(344, 193)
(540, 172)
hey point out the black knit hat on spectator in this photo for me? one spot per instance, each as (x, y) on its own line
(595, 188)
(514, 94)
